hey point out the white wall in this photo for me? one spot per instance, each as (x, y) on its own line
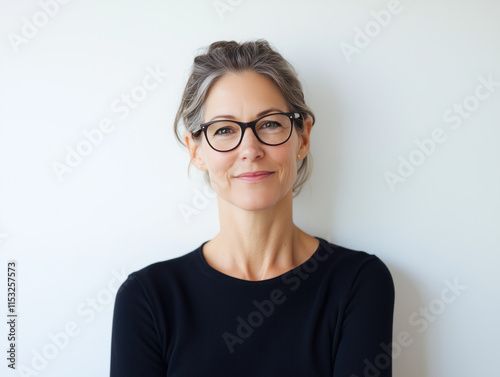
(118, 208)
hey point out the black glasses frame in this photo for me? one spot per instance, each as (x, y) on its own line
(203, 127)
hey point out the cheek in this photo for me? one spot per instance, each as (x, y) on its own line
(287, 158)
(218, 166)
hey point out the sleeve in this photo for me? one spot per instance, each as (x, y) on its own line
(135, 345)
(366, 335)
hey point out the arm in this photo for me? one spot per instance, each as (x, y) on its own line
(135, 344)
(367, 325)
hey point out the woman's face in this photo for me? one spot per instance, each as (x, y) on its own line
(254, 176)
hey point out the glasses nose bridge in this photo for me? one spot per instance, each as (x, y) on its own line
(248, 125)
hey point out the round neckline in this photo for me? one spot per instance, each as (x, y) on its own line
(213, 273)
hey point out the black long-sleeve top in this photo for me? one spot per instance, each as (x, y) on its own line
(330, 316)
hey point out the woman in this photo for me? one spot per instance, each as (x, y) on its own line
(262, 298)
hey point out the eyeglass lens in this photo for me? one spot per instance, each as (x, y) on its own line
(273, 129)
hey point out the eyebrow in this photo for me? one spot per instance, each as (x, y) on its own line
(262, 113)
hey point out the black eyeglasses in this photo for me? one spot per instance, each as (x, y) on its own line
(271, 129)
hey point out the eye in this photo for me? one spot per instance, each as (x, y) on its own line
(271, 125)
(224, 131)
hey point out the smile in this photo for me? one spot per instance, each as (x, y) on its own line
(254, 176)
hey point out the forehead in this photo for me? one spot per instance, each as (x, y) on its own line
(243, 95)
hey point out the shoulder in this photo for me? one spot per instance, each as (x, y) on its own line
(356, 267)
(170, 266)
(345, 255)
(161, 275)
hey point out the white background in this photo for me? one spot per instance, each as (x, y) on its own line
(118, 210)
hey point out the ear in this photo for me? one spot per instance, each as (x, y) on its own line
(194, 152)
(305, 138)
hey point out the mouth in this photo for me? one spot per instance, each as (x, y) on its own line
(254, 176)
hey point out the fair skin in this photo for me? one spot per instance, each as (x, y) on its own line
(258, 239)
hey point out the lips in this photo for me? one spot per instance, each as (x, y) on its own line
(254, 175)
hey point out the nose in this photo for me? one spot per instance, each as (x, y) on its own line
(250, 147)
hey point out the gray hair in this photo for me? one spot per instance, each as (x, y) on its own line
(225, 57)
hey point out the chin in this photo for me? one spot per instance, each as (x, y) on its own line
(253, 197)
(256, 200)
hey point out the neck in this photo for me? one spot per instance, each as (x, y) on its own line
(258, 245)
